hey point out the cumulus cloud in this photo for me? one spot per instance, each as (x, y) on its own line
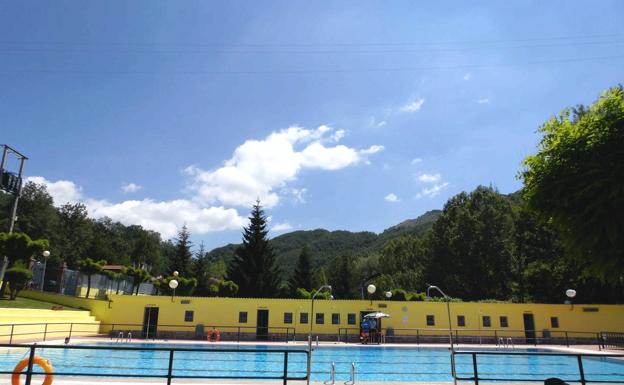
(416, 161)
(483, 101)
(413, 105)
(284, 226)
(392, 198)
(431, 191)
(429, 178)
(259, 168)
(131, 188)
(165, 217)
(62, 191)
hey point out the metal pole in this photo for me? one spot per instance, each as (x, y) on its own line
(285, 376)
(581, 371)
(31, 359)
(11, 338)
(45, 264)
(45, 332)
(170, 371)
(474, 368)
(71, 327)
(17, 196)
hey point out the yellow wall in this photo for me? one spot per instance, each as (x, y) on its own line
(225, 311)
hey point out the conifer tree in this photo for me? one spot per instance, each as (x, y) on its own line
(253, 267)
(302, 276)
(181, 261)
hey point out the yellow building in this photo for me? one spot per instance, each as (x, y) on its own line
(269, 318)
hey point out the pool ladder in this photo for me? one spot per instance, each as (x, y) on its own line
(332, 375)
(508, 343)
(352, 380)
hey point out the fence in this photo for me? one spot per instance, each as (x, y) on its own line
(168, 371)
(44, 331)
(582, 376)
(481, 336)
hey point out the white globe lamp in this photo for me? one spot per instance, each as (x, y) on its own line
(371, 289)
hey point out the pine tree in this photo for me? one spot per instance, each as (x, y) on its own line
(302, 276)
(253, 267)
(181, 261)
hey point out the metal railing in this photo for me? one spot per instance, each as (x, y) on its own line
(68, 329)
(480, 336)
(583, 378)
(170, 363)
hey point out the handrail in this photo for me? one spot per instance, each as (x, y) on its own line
(102, 328)
(285, 377)
(476, 377)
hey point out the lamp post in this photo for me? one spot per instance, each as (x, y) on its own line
(46, 255)
(311, 320)
(173, 284)
(371, 290)
(448, 311)
(571, 293)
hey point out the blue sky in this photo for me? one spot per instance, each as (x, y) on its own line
(339, 115)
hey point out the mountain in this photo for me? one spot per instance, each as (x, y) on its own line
(326, 245)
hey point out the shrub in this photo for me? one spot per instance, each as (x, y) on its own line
(17, 277)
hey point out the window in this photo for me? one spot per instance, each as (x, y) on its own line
(430, 320)
(503, 321)
(188, 316)
(335, 318)
(303, 318)
(351, 319)
(554, 322)
(242, 317)
(287, 318)
(461, 320)
(487, 321)
(320, 318)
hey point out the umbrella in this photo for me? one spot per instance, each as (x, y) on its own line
(377, 315)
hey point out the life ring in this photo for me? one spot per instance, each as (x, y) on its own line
(42, 362)
(214, 335)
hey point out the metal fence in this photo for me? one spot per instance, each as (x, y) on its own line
(583, 378)
(170, 360)
(45, 331)
(481, 336)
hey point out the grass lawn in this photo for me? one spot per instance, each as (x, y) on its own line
(27, 303)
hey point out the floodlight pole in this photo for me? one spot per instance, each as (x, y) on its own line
(311, 320)
(448, 311)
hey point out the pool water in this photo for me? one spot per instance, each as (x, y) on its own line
(373, 363)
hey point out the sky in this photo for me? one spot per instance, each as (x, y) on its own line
(343, 115)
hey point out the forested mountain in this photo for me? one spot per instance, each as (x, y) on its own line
(324, 246)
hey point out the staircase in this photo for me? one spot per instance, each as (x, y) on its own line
(20, 325)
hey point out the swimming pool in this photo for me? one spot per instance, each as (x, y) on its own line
(373, 363)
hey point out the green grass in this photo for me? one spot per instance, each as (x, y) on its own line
(27, 303)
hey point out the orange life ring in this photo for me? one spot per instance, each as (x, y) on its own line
(214, 335)
(42, 362)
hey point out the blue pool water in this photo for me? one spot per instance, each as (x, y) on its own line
(372, 363)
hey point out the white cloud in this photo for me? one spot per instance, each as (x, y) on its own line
(131, 188)
(259, 167)
(429, 178)
(432, 191)
(416, 161)
(298, 193)
(373, 123)
(467, 76)
(165, 217)
(413, 106)
(62, 191)
(392, 198)
(483, 101)
(284, 226)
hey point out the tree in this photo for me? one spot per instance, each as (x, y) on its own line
(17, 277)
(341, 277)
(73, 237)
(302, 276)
(138, 276)
(253, 267)
(19, 247)
(576, 180)
(89, 267)
(182, 257)
(36, 213)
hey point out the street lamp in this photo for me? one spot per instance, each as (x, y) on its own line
(571, 293)
(448, 311)
(45, 254)
(311, 320)
(388, 294)
(371, 290)
(173, 284)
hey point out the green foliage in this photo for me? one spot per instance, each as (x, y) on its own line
(302, 276)
(181, 261)
(576, 180)
(89, 267)
(228, 289)
(302, 293)
(138, 276)
(17, 277)
(341, 277)
(418, 297)
(254, 268)
(400, 295)
(18, 247)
